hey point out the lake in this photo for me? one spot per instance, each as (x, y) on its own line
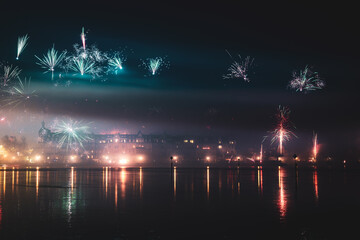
(207, 203)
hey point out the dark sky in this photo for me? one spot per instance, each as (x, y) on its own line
(191, 97)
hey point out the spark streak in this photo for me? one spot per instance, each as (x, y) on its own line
(82, 35)
(22, 43)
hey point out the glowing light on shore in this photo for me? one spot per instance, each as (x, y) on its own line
(22, 43)
(123, 161)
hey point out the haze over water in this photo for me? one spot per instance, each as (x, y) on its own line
(203, 203)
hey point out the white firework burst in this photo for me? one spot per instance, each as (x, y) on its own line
(306, 80)
(9, 73)
(51, 60)
(240, 69)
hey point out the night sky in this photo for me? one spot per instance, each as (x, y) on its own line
(191, 97)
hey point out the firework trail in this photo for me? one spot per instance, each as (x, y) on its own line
(51, 60)
(154, 65)
(282, 132)
(261, 153)
(239, 69)
(315, 146)
(9, 73)
(82, 35)
(306, 80)
(71, 134)
(20, 94)
(22, 43)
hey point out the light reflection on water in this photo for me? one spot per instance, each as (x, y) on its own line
(315, 181)
(124, 196)
(283, 195)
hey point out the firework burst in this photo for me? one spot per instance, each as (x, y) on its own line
(306, 80)
(239, 69)
(155, 65)
(86, 62)
(9, 73)
(282, 133)
(83, 66)
(71, 134)
(51, 60)
(22, 43)
(91, 52)
(20, 94)
(116, 63)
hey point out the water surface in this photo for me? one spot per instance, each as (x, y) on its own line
(108, 203)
